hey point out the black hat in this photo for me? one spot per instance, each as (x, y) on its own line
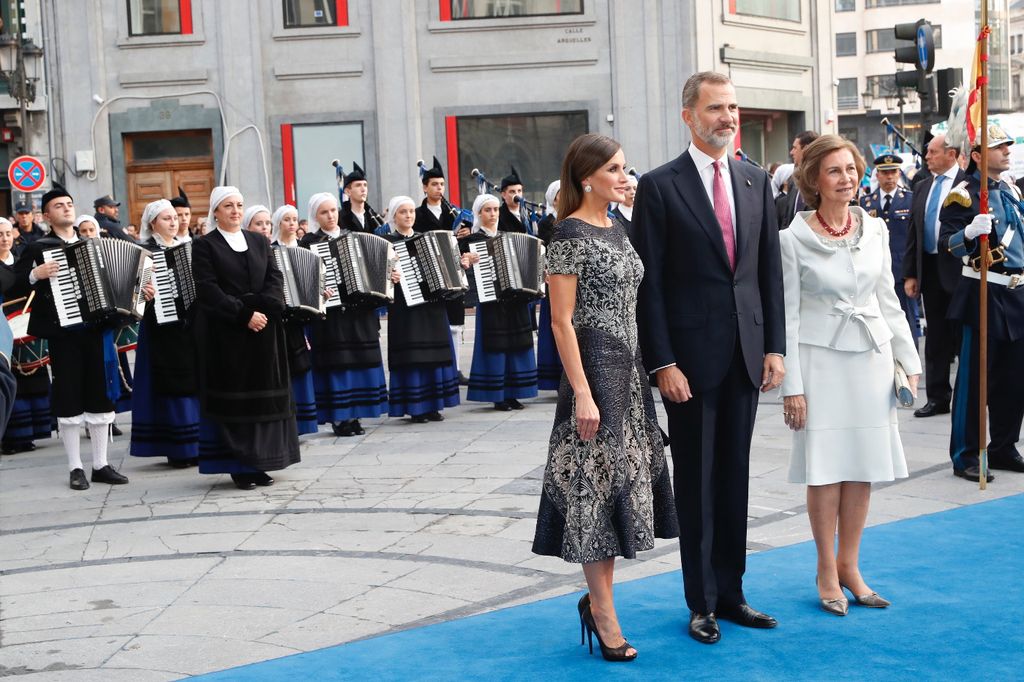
(57, 192)
(510, 179)
(356, 174)
(888, 161)
(23, 207)
(105, 200)
(180, 201)
(429, 174)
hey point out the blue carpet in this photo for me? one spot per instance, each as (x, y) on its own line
(954, 578)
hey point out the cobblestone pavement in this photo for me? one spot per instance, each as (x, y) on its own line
(177, 574)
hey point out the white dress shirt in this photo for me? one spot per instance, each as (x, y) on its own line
(706, 171)
(236, 240)
(944, 189)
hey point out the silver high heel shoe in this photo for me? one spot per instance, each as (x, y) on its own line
(872, 601)
(837, 607)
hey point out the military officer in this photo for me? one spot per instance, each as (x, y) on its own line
(962, 225)
(892, 203)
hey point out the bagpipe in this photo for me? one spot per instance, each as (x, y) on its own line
(374, 220)
(891, 130)
(742, 156)
(459, 215)
(533, 212)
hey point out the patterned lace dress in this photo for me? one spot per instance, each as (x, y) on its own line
(610, 496)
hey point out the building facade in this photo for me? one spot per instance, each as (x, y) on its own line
(866, 92)
(149, 95)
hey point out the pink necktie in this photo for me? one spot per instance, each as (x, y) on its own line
(724, 215)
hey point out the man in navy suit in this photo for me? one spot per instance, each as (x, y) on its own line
(712, 329)
(893, 204)
(934, 273)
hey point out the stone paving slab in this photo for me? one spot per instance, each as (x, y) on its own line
(178, 574)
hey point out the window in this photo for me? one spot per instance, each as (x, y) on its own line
(846, 44)
(884, 40)
(487, 9)
(846, 94)
(846, 5)
(159, 17)
(310, 13)
(788, 10)
(307, 152)
(898, 3)
(533, 143)
(882, 85)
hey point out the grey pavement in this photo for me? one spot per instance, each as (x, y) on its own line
(178, 574)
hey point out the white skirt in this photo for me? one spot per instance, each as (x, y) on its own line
(852, 432)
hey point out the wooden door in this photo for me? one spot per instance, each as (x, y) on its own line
(158, 163)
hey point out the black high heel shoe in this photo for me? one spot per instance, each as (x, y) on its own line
(582, 606)
(614, 654)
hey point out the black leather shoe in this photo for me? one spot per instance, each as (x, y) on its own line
(343, 428)
(114, 431)
(108, 474)
(78, 481)
(503, 406)
(463, 381)
(357, 428)
(419, 419)
(1013, 463)
(243, 481)
(261, 478)
(973, 474)
(435, 416)
(178, 463)
(746, 616)
(931, 409)
(15, 448)
(516, 405)
(704, 628)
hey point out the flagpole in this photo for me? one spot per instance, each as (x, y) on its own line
(982, 85)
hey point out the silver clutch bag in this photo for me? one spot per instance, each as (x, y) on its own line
(901, 384)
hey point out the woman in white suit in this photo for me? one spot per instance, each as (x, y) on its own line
(845, 331)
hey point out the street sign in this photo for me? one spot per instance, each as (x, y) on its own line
(26, 173)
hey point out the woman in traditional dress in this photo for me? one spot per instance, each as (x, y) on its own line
(285, 222)
(549, 365)
(504, 365)
(31, 418)
(259, 220)
(845, 334)
(248, 420)
(165, 400)
(607, 490)
(348, 369)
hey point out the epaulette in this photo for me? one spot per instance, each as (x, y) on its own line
(958, 195)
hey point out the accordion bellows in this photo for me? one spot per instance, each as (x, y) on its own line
(303, 272)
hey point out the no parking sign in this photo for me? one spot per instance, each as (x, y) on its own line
(26, 173)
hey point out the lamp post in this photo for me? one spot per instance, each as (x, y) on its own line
(19, 64)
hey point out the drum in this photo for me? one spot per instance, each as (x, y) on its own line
(19, 325)
(127, 338)
(28, 356)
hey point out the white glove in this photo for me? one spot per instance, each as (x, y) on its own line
(982, 224)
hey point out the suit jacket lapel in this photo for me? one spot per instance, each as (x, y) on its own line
(691, 189)
(743, 197)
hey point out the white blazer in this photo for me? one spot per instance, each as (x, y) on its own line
(841, 298)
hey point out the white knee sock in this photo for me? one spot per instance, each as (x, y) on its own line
(456, 331)
(98, 434)
(70, 434)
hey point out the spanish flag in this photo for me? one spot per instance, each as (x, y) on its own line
(974, 113)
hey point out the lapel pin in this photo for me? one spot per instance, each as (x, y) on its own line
(749, 184)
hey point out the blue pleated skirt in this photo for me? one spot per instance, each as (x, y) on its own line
(495, 377)
(350, 394)
(549, 364)
(30, 420)
(420, 390)
(162, 425)
(305, 402)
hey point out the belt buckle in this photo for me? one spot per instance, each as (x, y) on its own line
(997, 255)
(1015, 281)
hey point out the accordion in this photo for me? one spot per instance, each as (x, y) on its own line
(358, 267)
(303, 273)
(173, 283)
(99, 279)
(431, 268)
(511, 268)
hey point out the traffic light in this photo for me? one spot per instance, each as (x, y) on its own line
(920, 53)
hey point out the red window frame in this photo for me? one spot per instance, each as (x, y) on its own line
(445, 9)
(185, 10)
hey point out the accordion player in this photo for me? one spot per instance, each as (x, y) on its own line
(303, 272)
(511, 268)
(358, 267)
(431, 268)
(173, 284)
(99, 279)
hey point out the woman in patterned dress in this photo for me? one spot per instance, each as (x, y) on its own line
(606, 489)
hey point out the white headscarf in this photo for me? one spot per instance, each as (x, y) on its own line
(549, 197)
(393, 206)
(780, 176)
(478, 205)
(78, 221)
(314, 206)
(149, 214)
(217, 196)
(251, 212)
(276, 219)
